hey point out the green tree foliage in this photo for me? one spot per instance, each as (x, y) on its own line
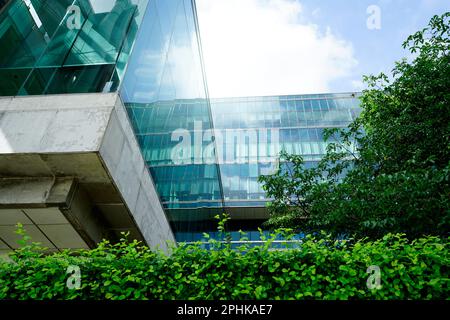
(318, 268)
(389, 170)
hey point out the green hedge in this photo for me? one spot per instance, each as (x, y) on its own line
(320, 269)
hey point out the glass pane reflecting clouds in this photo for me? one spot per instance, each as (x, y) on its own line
(164, 91)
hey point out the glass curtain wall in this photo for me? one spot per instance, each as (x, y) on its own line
(66, 46)
(165, 93)
(267, 125)
(253, 131)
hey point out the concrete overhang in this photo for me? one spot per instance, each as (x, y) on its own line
(76, 155)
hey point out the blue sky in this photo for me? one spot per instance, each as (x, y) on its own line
(270, 47)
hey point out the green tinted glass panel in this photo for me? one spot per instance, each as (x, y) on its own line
(102, 35)
(164, 91)
(11, 80)
(77, 41)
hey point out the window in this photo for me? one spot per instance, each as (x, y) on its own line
(307, 105)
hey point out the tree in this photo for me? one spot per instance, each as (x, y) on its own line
(389, 170)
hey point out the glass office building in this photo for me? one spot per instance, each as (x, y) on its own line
(219, 169)
(205, 155)
(165, 92)
(249, 133)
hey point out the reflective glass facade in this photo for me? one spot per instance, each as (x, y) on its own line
(249, 134)
(267, 125)
(165, 93)
(66, 46)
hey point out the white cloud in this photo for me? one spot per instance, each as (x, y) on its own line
(261, 47)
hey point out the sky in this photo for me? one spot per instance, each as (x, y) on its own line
(277, 47)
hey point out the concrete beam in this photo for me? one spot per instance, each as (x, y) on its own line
(89, 138)
(62, 193)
